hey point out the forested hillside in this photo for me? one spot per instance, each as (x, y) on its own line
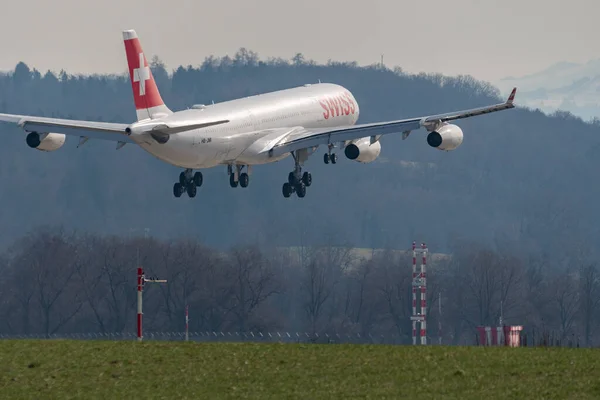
(520, 176)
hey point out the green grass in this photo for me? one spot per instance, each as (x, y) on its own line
(53, 369)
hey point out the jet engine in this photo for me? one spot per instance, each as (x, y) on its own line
(362, 150)
(45, 141)
(447, 137)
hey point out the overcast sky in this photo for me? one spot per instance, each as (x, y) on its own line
(488, 39)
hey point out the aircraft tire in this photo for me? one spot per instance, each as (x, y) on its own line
(177, 189)
(232, 181)
(301, 189)
(198, 178)
(286, 190)
(244, 180)
(292, 178)
(191, 189)
(307, 179)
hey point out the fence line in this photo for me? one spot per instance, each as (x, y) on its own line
(223, 336)
(531, 339)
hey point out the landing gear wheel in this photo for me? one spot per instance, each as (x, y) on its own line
(292, 178)
(333, 158)
(182, 178)
(307, 179)
(244, 180)
(177, 189)
(198, 178)
(326, 158)
(232, 182)
(301, 189)
(191, 189)
(287, 190)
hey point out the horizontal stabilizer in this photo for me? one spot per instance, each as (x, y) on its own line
(177, 129)
(164, 129)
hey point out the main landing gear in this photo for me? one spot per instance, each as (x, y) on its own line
(236, 176)
(297, 181)
(329, 156)
(188, 182)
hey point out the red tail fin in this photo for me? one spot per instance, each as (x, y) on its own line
(148, 102)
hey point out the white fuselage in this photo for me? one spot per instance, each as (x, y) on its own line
(255, 122)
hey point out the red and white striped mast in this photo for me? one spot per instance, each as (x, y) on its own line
(419, 281)
(141, 280)
(414, 315)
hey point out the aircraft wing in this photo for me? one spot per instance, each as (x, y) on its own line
(96, 130)
(306, 138)
(101, 130)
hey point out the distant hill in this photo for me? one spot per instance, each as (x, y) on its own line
(521, 178)
(564, 86)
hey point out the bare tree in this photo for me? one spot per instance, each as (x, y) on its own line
(252, 282)
(19, 293)
(589, 300)
(509, 272)
(7, 309)
(393, 285)
(323, 269)
(90, 274)
(50, 259)
(563, 292)
(117, 261)
(181, 263)
(482, 285)
(357, 307)
(214, 293)
(318, 288)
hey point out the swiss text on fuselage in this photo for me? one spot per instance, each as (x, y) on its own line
(337, 105)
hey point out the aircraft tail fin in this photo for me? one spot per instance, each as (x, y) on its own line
(148, 102)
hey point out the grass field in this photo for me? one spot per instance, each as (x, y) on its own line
(54, 369)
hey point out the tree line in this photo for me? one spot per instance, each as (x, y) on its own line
(56, 281)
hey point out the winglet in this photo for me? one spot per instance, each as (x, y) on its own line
(511, 98)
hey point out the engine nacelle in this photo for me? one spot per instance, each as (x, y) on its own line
(362, 150)
(45, 141)
(447, 137)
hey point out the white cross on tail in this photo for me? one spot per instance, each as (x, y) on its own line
(141, 75)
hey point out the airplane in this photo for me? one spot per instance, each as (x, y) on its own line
(245, 132)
